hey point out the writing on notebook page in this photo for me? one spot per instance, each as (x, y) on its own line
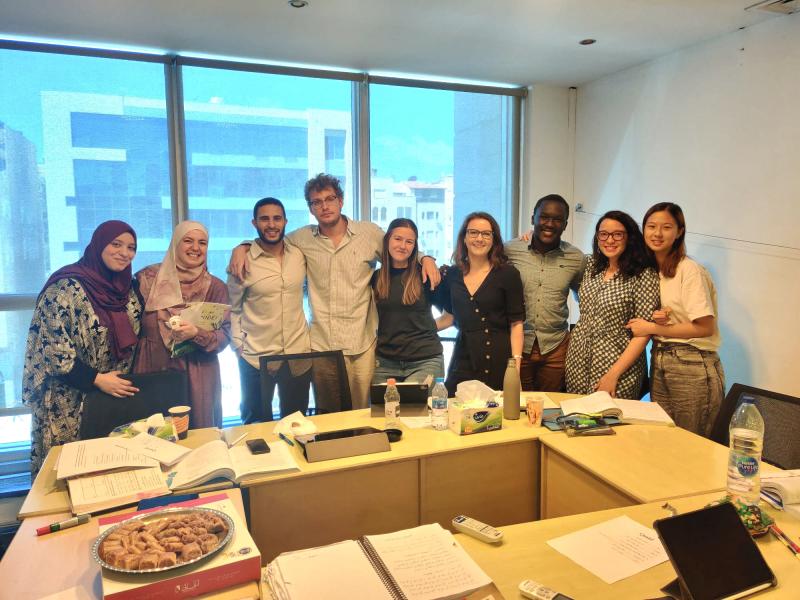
(430, 571)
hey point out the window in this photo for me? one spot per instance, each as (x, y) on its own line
(82, 140)
(444, 154)
(251, 135)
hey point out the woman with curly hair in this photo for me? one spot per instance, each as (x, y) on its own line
(487, 304)
(619, 284)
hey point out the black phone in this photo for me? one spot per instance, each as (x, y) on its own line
(257, 446)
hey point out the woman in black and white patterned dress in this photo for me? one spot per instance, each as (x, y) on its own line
(82, 336)
(619, 284)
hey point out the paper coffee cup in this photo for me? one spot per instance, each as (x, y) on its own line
(534, 407)
(180, 420)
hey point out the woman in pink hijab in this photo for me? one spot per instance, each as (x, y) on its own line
(168, 288)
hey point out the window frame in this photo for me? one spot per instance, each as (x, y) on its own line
(360, 81)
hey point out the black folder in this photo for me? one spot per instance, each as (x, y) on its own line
(158, 392)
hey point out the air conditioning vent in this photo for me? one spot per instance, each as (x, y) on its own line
(783, 7)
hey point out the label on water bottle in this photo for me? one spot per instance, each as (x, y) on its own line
(747, 466)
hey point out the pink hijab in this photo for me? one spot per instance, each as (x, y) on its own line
(176, 284)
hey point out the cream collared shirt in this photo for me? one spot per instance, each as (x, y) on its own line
(343, 310)
(267, 307)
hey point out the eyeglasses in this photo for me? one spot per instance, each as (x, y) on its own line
(319, 203)
(475, 234)
(549, 219)
(617, 236)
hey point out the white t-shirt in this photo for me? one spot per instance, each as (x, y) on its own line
(690, 295)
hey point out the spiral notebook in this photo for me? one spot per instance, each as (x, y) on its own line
(423, 563)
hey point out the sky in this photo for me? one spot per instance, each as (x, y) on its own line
(411, 129)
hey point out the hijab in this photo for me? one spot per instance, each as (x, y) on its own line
(108, 291)
(177, 284)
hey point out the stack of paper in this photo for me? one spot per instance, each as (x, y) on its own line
(627, 411)
(782, 489)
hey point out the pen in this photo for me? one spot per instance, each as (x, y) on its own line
(787, 543)
(53, 527)
(237, 440)
(286, 439)
(786, 538)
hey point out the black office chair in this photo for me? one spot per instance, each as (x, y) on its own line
(781, 415)
(331, 388)
(158, 392)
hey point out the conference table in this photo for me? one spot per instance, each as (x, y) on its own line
(511, 478)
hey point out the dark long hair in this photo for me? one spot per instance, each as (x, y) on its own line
(678, 251)
(497, 255)
(412, 282)
(634, 259)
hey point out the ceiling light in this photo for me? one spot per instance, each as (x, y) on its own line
(298, 3)
(587, 42)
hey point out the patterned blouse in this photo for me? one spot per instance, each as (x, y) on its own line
(64, 329)
(600, 336)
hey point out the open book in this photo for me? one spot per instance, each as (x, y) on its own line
(627, 411)
(782, 488)
(214, 459)
(423, 563)
(94, 493)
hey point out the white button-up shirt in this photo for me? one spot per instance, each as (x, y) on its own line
(343, 310)
(267, 307)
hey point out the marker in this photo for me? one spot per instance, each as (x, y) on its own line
(286, 439)
(785, 538)
(237, 440)
(53, 527)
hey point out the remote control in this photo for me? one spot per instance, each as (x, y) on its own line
(536, 591)
(478, 530)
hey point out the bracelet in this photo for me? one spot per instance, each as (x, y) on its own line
(517, 356)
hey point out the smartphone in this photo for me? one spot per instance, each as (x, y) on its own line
(257, 446)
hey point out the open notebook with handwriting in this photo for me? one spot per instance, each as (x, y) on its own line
(423, 563)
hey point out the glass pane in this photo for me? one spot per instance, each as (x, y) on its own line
(436, 156)
(82, 140)
(252, 135)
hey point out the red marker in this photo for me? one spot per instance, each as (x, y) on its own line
(53, 527)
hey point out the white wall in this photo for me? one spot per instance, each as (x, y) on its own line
(715, 128)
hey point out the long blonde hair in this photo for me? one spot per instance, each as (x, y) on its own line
(412, 282)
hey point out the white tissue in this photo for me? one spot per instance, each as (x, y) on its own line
(474, 392)
(295, 424)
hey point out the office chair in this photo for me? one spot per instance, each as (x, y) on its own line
(331, 388)
(781, 415)
(158, 392)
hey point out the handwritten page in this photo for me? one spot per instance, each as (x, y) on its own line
(336, 572)
(101, 454)
(427, 563)
(165, 452)
(107, 490)
(613, 550)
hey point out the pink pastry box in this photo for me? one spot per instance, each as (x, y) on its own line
(237, 563)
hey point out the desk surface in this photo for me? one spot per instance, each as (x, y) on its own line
(525, 554)
(49, 496)
(60, 565)
(648, 462)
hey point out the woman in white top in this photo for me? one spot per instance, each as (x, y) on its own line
(687, 379)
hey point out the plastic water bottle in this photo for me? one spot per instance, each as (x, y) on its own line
(439, 405)
(391, 404)
(744, 460)
(511, 391)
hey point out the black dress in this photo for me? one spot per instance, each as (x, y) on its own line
(483, 345)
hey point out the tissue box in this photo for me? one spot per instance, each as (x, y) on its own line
(465, 419)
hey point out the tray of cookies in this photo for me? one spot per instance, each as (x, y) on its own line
(160, 541)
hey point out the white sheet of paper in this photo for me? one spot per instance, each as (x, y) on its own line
(101, 454)
(167, 453)
(614, 549)
(416, 422)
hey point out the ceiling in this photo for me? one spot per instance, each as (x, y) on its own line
(501, 41)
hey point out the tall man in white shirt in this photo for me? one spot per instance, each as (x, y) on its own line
(341, 255)
(267, 317)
